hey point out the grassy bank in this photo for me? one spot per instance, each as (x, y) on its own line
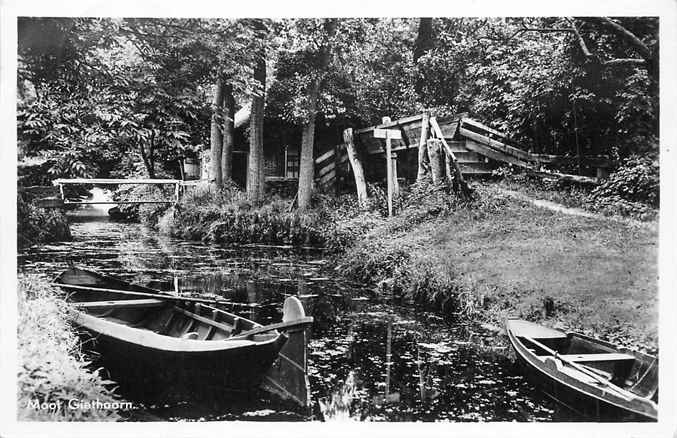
(37, 225)
(225, 216)
(500, 257)
(52, 369)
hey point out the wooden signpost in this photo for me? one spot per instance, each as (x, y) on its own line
(389, 134)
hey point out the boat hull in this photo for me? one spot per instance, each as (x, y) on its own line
(149, 366)
(151, 374)
(584, 406)
(588, 401)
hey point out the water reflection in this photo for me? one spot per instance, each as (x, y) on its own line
(368, 360)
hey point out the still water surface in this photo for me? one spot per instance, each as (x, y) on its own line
(369, 359)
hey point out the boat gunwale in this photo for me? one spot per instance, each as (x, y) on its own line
(577, 385)
(150, 339)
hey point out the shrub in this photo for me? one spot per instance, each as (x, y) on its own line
(145, 213)
(636, 180)
(39, 225)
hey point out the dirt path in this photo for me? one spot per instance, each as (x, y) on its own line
(554, 206)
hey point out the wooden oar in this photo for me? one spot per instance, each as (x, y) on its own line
(280, 325)
(153, 295)
(584, 370)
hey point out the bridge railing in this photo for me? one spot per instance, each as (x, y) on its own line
(177, 183)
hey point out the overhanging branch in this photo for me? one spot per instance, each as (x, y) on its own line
(625, 61)
(579, 37)
(638, 43)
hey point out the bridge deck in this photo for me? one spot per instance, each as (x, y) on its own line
(116, 181)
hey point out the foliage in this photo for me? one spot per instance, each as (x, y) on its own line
(343, 221)
(94, 93)
(52, 368)
(145, 213)
(386, 250)
(370, 73)
(225, 216)
(636, 180)
(89, 121)
(539, 88)
(39, 225)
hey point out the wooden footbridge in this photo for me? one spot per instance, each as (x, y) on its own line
(59, 199)
(476, 147)
(468, 147)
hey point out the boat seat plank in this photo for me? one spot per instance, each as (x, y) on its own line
(595, 357)
(120, 304)
(204, 320)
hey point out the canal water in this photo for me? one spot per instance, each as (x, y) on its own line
(369, 359)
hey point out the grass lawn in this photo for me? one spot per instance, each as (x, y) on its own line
(512, 257)
(601, 275)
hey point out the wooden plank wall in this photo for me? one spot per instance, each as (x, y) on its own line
(330, 167)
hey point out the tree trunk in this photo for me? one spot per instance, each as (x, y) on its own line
(356, 164)
(255, 179)
(423, 43)
(216, 141)
(422, 151)
(306, 165)
(228, 133)
(148, 164)
(436, 170)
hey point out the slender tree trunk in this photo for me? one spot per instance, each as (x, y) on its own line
(356, 164)
(228, 133)
(423, 43)
(306, 165)
(216, 142)
(147, 163)
(255, 179)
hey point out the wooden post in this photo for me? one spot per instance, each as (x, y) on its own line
(389, 176)
(286, 158)
(433, 146)
(388, 134)
(177, 288)
(356, 164)
(389, 357)
(177, 192)
(337, 169)
(396, 184)
(422, 147)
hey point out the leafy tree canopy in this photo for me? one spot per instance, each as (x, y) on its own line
(109, 95)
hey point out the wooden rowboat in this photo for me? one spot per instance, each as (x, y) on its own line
(158, 346)
(589, 376)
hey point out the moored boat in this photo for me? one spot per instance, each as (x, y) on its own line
(158, 346)
(589, 376)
